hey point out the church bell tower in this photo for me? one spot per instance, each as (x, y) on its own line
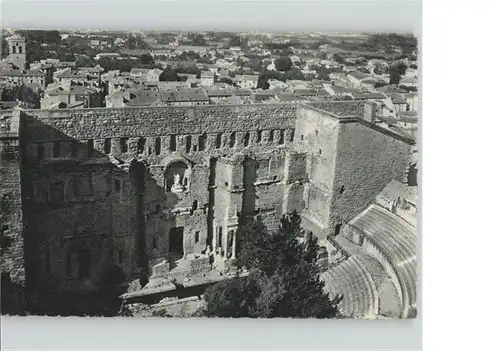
(17, 51)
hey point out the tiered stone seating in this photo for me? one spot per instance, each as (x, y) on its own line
(353, 280)
(397, 242)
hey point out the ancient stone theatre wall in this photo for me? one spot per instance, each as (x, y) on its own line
(112, 193)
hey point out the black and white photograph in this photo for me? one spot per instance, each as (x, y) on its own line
(209, 173)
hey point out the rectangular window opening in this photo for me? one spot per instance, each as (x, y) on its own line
(188, 143)
(124, 145)
(218, 141)
(173, 143)
(107, 146)
(57, 149)
(90, 147)
(84, 264)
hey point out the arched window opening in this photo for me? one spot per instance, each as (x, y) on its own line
(259, 136)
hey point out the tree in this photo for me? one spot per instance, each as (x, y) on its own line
(293, 74)
(283, 63)
(262, 82)
(146, 59)
(227, 81)
(135, 41)
(255, 64)
(235, 41)
(338, 58)
(379, 69)
(284, 278)
(196, 39)
(396, 71)
(364, 70)
(169, 74)
(322, 55)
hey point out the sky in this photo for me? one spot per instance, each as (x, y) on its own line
(258, 15)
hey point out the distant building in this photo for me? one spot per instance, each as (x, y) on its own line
(24, 77)
(412, 101)
(173, 85)
(355, 78)
(107, 54)
(139, 72)
(69, 75)
(68, 95)
(399, 102)
(368, 83)
(275, 84)
(119, 41)
(190, 98)
(246, 81)
(291, 98)
(263, 95)
(216, 95)
(153, 75)
(190, 78)
(93, 73)
(207, 78)
(411, 82)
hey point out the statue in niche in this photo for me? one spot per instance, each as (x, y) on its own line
(177, 187)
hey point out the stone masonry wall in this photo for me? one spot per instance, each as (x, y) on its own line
(316, 135)
(143, 122)
(367, 160)
(94, 212)
(12, 265)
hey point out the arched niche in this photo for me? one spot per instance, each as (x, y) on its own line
(177, 174)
